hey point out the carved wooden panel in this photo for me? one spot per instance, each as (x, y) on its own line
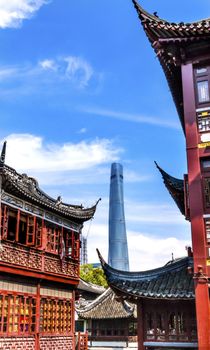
(35, 260)
(17, 255)
(60, 267)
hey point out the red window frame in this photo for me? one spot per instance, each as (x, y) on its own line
(17, 314)
(200, 77)
(53, 234)
(72, 244)
(31, 230)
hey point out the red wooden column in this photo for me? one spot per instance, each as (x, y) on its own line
(38, 305)
(196, 207)
(140, 325)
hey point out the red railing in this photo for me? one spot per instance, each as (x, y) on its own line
(36, 260)
(82, 343)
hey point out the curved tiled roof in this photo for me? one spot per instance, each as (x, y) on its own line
(175, 187)
(90, 287)
(27, 188)
(159, 28)
(173, 42)
(106, 306)
(171, 281)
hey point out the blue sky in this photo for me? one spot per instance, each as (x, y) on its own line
(80, 87)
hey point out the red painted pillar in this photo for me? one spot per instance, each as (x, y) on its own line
(196, 207)
(140, 325)
(38, 306)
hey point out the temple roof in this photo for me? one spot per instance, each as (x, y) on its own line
(90, 287)
(27, 188)
(106, 306)
(174, 43)
(175, 187)
(171, 281)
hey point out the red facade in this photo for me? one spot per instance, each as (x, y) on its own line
(183, 51)
(39, 264)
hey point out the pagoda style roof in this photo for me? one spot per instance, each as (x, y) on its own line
(106, 306)
(171, 281)
(27, 188)
(90, 287)
(174, 43)
(175, 187)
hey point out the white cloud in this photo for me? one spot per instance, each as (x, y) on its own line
(13, 12)
(130, 117)
(145, 250)
(73, 71)
(29, 152)
(6, 73)
(82, 131)
(154, 232)
(48, 65)
(78, 70)
(153, 213)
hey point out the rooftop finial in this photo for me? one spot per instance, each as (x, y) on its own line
(3, 154)
(155, 14)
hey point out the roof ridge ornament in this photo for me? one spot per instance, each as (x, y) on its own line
(3, 155)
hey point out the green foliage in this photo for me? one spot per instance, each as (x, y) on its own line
(93, 275)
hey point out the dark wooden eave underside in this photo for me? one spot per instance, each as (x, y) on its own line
(27, 188)
(175, 187)
(172, 281)
(175, 43)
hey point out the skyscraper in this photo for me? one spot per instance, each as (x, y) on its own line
(118, 248)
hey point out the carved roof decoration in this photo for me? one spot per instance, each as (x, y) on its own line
(171, 281)
(27, 188)
(175, 187)
(106, 306)
(174, 43)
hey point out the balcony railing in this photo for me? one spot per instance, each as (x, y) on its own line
(28, 258)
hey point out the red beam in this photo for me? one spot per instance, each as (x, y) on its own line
(25, 273)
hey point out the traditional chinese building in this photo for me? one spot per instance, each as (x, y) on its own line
(165, 302)
(183, 52)
(109, 322)
(39, 264)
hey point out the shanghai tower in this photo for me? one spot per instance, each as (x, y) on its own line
(118, 247)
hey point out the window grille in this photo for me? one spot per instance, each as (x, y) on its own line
(17, 314)
(56, 316)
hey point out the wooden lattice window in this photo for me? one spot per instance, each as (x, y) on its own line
(207, 191)
(72, 244)
(17, 314)
(56, 316)
(160, 326)
(4, 221)
(202, 85)
(39, 232)
(31, 230)
(150, 328)
(17, 226)
(53, 238)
